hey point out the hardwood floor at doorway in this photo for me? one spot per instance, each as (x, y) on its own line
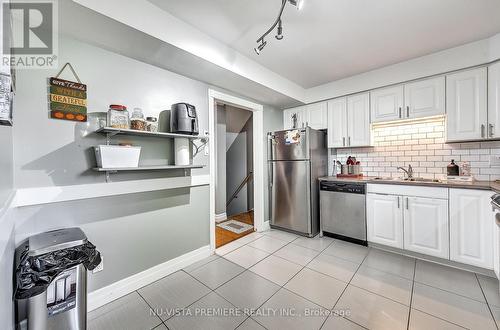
(223, 236)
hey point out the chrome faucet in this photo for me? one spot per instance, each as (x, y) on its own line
(409, 171)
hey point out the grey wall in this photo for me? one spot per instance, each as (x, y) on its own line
(220, 151)
(239, 162)
(6, 167)
(134, 232)
(6, 228)
(53, 153)
(249, 157)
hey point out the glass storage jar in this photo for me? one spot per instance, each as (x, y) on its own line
(152, 124)
(137, 121)
(118, 117)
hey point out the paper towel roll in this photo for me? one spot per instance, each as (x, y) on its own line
(181, 151)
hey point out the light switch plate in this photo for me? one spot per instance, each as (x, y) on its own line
(495, 160)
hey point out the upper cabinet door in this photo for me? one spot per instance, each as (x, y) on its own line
(494, 101)
(358, 120)
(337, 123)
(317, 115)
(387, 104)
(466, 97)
(425, 98)
(471, 227)
(287, 118)
(426, 226)
(384, 220)
(301, 114)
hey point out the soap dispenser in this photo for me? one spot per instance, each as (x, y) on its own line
(452, 169)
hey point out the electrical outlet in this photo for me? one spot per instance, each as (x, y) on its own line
(99, 267)
(495, 160)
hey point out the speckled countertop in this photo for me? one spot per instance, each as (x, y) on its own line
(484, 185)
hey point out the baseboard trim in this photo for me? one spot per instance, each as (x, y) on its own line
(220, 217)
(128, 285)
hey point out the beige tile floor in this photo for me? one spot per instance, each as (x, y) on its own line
(277, 280)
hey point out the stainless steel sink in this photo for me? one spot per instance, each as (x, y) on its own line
(420, 180)
(423, 180)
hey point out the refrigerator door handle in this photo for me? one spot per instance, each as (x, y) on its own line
(270, 174)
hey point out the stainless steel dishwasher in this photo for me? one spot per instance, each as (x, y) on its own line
(343, 211)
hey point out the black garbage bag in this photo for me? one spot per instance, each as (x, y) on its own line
(34, 274)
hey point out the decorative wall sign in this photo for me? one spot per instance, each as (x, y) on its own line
(6, 99)
(67, 99)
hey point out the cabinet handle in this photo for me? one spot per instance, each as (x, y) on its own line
(491, 130)
(407, 111)
(407, 203)
(400, 112)
(343, 141)
(349, 141)
(398, 202)
(482, 130)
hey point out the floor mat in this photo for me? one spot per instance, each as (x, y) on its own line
(234, 226)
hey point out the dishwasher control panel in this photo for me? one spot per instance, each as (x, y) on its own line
(351, 188)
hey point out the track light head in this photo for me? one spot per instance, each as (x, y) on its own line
(279, 34)
(297, 3)
(260, 47)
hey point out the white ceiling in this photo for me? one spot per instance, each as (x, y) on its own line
(332, 39)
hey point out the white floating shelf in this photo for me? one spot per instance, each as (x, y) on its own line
(116, 131)
(148, 168)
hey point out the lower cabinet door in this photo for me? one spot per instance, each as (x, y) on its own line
(426, 226)
(472, 225)
(384, 216)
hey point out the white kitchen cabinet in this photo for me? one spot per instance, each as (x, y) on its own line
(384, 220)
(300, 112)
(426, 226)
(317, 114)
(386, 104)
(494, 101)
(424, 98)
(337, 123)
(471, 227)
(358, 120)
(467, 113)
(496, 247)
(287, 118)
(349, 121)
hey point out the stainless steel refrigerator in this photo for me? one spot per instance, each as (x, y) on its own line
(296, 159)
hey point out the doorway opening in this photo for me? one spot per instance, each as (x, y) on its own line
(234, 186)
(215, 98)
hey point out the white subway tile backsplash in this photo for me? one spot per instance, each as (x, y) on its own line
(442, 152)
(419, 147)
(460, 152)
(423, 146)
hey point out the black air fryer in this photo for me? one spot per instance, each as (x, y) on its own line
(183, 119)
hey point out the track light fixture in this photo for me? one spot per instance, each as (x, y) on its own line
(279, 35)
(260, 47)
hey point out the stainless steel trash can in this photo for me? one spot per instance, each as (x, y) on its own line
(63, 305)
